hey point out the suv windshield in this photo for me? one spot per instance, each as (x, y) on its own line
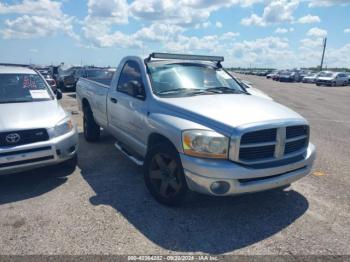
(16, 88)
(179, 79)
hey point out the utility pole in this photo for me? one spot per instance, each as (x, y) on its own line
(324, 49)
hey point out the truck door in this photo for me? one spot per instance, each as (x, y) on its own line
(127, 110)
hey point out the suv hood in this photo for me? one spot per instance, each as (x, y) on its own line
(17, 116)
(228, 110)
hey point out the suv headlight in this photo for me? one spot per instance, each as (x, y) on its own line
(202, 143)
(63, 127)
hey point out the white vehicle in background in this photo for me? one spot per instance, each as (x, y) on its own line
(333, 79)
(310, 78)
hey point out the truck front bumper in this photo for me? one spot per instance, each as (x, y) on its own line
(25, 157)
(207, 176)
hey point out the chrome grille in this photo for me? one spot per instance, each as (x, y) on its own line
(272, 144)
(260, 136)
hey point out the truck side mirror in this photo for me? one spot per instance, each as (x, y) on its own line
(136, 89)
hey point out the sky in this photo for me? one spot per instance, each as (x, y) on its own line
(256, 33)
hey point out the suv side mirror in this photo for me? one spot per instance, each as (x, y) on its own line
(58, 94)
(136, 89)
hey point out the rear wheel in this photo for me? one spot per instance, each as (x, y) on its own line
(91, 128)
(164, 175)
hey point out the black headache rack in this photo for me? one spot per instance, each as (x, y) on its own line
(217, 59)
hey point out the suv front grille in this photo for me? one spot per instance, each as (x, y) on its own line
(23, 137)
(272, 144)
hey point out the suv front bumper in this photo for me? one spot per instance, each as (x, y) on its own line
(35, 155)
(202, 173)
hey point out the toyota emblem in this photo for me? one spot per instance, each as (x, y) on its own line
(13, 138)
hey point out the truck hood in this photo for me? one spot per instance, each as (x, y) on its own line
(17, 116)
(229, 110)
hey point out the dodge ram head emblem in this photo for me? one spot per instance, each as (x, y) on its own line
(13, 138)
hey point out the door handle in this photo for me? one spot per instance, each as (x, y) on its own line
(113, 100)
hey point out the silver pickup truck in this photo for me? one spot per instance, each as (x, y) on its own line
(191, 125)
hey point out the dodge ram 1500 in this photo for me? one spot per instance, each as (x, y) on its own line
(191, 125)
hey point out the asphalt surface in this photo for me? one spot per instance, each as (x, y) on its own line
(104, 208)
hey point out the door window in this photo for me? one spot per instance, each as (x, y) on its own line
(130, 80)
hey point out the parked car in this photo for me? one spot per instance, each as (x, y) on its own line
(332, 79)
(35, 131)
(193, 127)
(288, 76)
(101, 75)
(310, 78)
(68, 77)
(271, 74)
(276, 76)
(48, 78)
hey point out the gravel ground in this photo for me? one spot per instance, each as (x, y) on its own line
(104, 208)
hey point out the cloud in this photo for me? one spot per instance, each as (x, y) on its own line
(25, 27)
(218, 24)
(113, 11)
(308, 19)
(40, 18)
(210, 43)
(347, 30)
(282, 30)
(317, 32)
(325, 3)
(32, 7)
(181, 12)
(275, 12)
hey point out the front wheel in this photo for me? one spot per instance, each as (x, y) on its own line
(164, 175)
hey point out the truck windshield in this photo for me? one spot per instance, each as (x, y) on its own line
(17, 88)
(179, 79)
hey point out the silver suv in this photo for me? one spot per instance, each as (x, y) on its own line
(35, 131)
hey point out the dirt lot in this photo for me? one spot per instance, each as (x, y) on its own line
(104, 208)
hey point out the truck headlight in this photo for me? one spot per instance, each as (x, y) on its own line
(63, 127)
(203, 143)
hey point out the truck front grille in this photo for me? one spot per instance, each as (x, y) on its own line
(23, 137)
(273, 144)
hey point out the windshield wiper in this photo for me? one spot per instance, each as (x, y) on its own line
(223, 89)
(178, 90)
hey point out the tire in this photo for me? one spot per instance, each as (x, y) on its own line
(318, 84)
(164, 175)
(91, 129)
(333, 84)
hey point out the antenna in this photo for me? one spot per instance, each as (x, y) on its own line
(324, 49)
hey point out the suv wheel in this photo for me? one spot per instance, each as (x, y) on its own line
(91, 129)
(164, 175)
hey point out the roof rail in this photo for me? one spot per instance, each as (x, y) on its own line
(217, 59)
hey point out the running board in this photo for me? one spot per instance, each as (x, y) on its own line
(132, 158)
